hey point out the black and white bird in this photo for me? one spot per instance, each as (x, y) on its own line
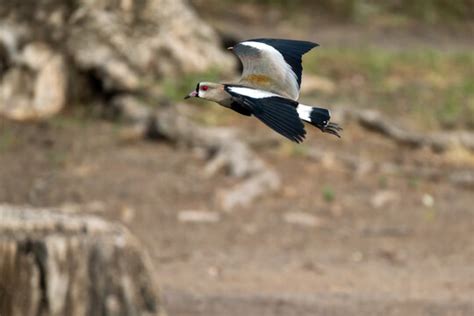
(269, 88)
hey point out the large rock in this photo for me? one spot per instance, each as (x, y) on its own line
(137, 41)
(37, 88)
(124, 46)
(57, 264)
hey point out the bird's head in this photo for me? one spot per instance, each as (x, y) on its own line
(207, 90)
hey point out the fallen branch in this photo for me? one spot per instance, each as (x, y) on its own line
(228, 151)
(362, 167)
(224, 145)
(438, 141)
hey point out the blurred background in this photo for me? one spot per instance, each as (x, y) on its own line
(236, 220)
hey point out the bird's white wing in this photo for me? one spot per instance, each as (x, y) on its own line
(273, 64)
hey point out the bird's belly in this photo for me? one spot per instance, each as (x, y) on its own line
(225, 102)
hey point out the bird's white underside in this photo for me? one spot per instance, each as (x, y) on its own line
(278, 59)
(253, 93)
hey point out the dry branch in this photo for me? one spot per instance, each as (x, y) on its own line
(228, 151)
(224, 145)
(439, 141)
(361, 167)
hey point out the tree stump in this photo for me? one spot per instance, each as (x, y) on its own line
(53, 263)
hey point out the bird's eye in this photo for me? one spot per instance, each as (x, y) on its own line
(204, 88)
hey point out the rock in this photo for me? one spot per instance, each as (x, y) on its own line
(61, 264)
(37, 92)
(167, 38)
(427, 200)
(136, 114)
(383, 198)
(15, 90)
(243, 194)
(302, 219)
(198, 216)
(132, 109)
(117, 46)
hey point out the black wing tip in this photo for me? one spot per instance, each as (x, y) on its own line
(310, 45)
(280, 115)
(297, 138)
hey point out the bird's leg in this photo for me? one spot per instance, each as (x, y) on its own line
(332, 128)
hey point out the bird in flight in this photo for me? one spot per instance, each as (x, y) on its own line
(269, 88)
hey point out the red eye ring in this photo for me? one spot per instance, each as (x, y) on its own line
(204, 88)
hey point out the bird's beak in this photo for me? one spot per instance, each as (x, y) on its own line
(230, 48)
(192, 94)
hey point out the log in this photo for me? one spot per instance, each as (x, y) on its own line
(53, 263)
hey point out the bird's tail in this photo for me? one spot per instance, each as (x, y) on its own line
(318, 117)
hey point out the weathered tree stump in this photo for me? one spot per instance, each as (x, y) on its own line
(53, 263)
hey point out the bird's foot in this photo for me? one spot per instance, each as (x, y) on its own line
(332, 128)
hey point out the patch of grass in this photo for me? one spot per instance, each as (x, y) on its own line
(383, 181)
(328, 194)
(294, 150)
(7, 140)
(57, 158)
(414, 182)
(74, 116)
(436, 88)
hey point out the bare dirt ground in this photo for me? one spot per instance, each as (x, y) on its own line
(404, 257)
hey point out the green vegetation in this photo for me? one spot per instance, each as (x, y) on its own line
(433, 87)
(77, 116)
(414, 182)
(383, 182)
(7, 139)
(328, 194)
(57, 158)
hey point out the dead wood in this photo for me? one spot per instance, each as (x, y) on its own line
(53, 263)
(227, 151)
(438, 141)
(362, 167)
